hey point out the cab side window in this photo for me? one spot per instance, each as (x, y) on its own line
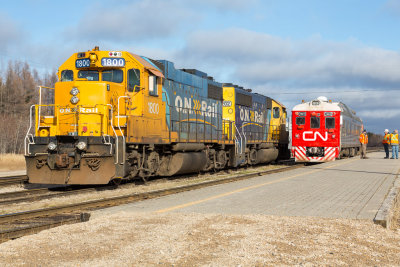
(276, 113)
(153, 85)
(67, 76)
(133, 80)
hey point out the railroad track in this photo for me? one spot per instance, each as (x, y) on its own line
(11, 180)
(22, 223)
(44, 193)
(32, 195)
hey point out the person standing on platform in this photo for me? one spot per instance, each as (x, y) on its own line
(386, 143)
(394, 142)
(364, 142)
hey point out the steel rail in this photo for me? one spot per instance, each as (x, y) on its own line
(8, 219)
(134, 197)
(44, 193)
(17, 179)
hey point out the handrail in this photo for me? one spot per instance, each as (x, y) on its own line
(245, 140)
(241, 139)
(28, 134)
(40, 101)
(115, 133)
(120, 130)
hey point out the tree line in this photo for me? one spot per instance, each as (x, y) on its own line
(18, 91)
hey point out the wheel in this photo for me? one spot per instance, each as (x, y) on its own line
(116, 181)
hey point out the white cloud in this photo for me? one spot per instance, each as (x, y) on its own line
(260, 58)
(11, 33)
(137, 20)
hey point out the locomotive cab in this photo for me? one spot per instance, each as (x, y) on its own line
(87, 127)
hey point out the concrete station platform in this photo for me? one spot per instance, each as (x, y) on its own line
(349, 188)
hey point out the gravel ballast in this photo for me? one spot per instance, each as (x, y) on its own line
(146, 239)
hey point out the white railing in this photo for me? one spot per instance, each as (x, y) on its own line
(120, 130)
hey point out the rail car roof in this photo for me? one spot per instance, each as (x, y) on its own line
(322, 106)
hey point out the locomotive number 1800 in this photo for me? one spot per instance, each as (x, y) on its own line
(112, 62)
(153, 108)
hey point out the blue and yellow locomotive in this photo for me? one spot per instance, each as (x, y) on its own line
(117, 115)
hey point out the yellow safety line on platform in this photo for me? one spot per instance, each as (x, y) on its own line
(246, 188)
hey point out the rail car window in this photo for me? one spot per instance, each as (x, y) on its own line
(300, 120)
(329, 123)
(315, 122)
(67, 76)
(90, 75)
(134, 80)
(276, 113)
(115, 76)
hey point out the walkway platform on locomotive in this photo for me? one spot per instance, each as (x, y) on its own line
(351, 188)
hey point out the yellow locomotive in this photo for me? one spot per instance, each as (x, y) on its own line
(117, 115)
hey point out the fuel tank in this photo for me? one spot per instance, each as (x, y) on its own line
(181, 163)
(267, 155)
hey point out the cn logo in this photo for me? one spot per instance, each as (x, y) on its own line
(310, 136)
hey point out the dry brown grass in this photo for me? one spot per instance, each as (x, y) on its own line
(12, 162)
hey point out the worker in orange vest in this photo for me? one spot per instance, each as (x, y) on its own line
(386, 143)
(364, 142)
(394, 142)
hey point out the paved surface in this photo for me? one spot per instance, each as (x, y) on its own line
(349, 188)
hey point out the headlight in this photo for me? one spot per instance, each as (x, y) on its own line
(74, 91)
(51, 146)
(74, 100)
(81, 145)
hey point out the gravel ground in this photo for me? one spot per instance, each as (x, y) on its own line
(147, 239)
(12, 188)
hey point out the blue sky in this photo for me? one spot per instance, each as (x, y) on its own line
(289, 50)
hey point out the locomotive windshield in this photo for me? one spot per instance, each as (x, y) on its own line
(90, 75)
(115, 76)
(315, 122)
(300, 120)
(67, 76)
(330, 123)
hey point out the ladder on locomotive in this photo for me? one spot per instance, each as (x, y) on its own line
(240, 146)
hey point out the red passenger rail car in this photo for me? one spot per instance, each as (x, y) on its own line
(324, 131)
